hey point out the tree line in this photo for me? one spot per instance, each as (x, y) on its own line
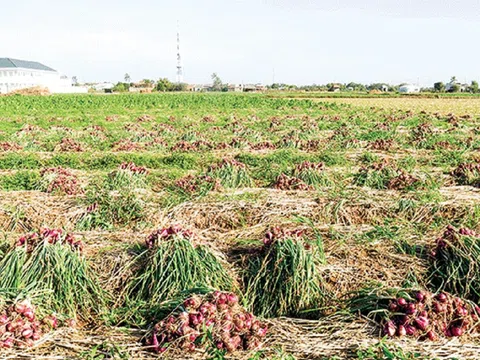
(165, 85)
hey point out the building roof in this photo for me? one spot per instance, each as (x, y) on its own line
(14, 63)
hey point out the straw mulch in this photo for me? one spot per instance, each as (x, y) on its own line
(339, 336)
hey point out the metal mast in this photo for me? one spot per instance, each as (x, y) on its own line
(179, 58)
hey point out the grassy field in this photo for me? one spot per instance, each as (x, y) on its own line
(459, 106)
(318, 214)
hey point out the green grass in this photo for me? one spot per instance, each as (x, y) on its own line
(21, 180)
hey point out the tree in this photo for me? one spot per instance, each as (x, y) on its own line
(164, 85)
(217, 82)
(127, 78)
(356, 86)
(378, 86)
(439, 87)
(453, 80)
(179, 87)
(74, 81)
(455, 87)
(121, 87)
(474, 87)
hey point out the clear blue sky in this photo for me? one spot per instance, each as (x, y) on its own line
(302, 41)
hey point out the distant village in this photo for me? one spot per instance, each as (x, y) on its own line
(151, 86)
(17, 75)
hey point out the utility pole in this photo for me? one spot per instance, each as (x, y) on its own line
(179, 58)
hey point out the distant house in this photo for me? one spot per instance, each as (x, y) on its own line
(105, 87)
(409, 89)
(384, 88)
(335, 88)
(141, 87)
(140, 90)
(253, 88)
(235, 87)
(21, 74)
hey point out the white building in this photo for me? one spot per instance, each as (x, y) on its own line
(21, 74)
(106, 86)
(409, 88)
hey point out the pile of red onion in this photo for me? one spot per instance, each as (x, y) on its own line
(51, 236)
(127, 145)
(191, 146)
(68, 144)
(285, 182)
(225, 163)
(307, 165)
(277, 233)
(465, 173)
(381, 144)
(167, 234)
(60, 179)
(192, 184)
(402, 181)
(9, 146)
(134, 169)
(19, 326)
(427, 316)
(219, 314)
(450, 235)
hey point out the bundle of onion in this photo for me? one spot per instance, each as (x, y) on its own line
(168, 233)
(382, 144)
(284, 277)
(403, 181)
(134, 169)
(277, 233)
(421, 133)
(426, 316)
(200, 320)
(51, 236)
(377, 175)
(49, 262)
(127, 145)
(231, 173)
(20, 327)
(9, 146)
(455, 263)
(59, 180)
(69, 145)
(285, 182)
(197, 185)
(128, 175)
(174, 262)
(312, 173)
(467, 174)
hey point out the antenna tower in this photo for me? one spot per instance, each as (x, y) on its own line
(179, 58)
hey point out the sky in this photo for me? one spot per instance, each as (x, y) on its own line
(249, 41)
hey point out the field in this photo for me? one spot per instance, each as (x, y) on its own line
(348, 227)
(458, 106)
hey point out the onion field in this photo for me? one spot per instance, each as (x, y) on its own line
(222, 226)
